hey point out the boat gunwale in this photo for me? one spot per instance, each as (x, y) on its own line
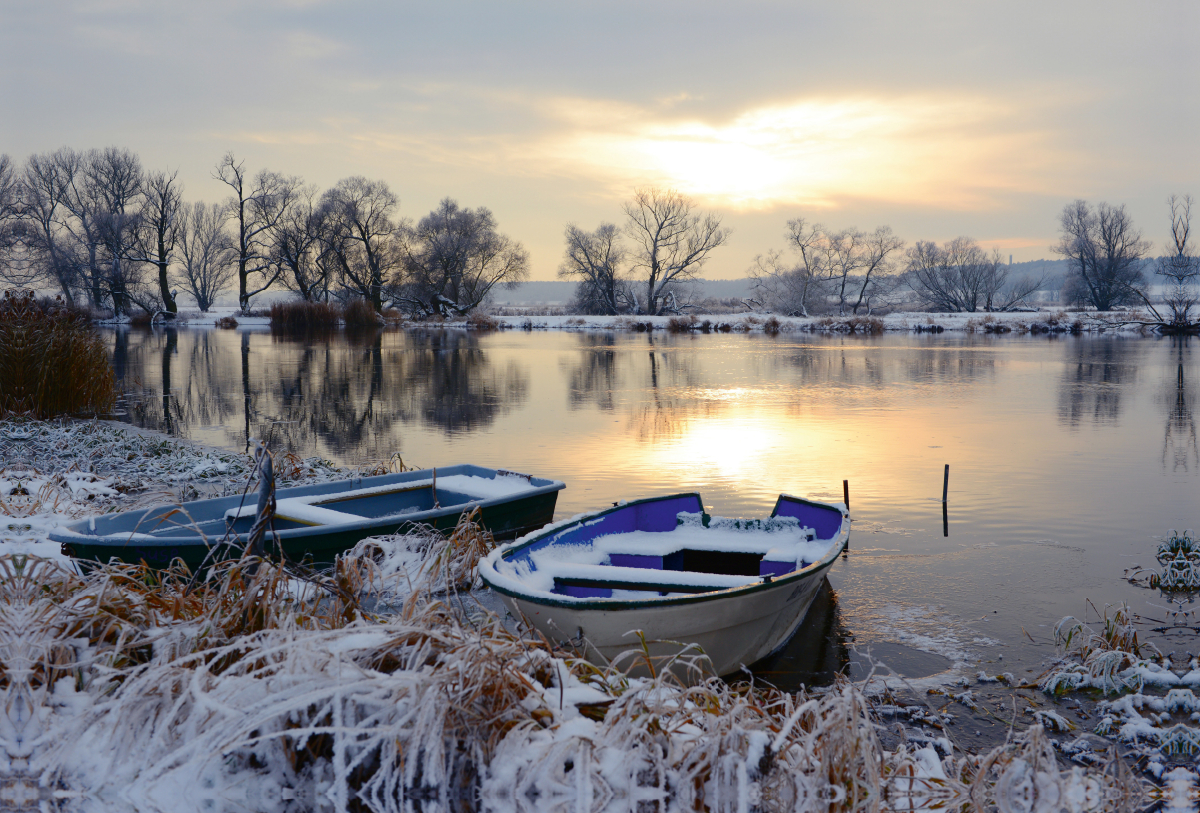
(68, 534)
(837, 546)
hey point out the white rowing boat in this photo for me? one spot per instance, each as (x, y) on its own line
(736, 589)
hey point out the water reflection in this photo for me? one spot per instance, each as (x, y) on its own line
(854, 364)
(1179, 438)
(816, 654)
(1094, 378)
(337, 393)
(451, 383)
(594, 379)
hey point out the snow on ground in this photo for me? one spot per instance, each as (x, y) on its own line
(1046, 320)
(54, 472)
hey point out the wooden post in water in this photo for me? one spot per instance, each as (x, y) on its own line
(945, 511)
(846, 493)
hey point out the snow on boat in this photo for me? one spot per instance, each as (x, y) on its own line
(737, 588)
(318, 522)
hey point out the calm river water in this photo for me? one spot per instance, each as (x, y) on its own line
(1068, 457)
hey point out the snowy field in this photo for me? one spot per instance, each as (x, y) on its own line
(260, 689)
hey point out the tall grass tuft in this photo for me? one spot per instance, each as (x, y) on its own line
(478, 320)
(360, 314)
(305, 317)
(52, 361)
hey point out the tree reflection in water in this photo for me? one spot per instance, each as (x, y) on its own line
(186, 392)
(1095, 376)
(594, 379)
(345, 393)
(452, 384)
(1179, 438)
(661, 383)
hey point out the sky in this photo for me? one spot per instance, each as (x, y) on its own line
(939, 119)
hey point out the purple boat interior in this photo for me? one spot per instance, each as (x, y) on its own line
(825, 520)
(661, 515)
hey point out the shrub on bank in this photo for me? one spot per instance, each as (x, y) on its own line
(478, 320)
(302, 316)
(359, 314)
(52, 361)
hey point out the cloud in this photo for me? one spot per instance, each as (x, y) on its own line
(924, 151)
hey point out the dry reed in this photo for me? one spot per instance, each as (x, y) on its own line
(359, 314)
(305, 316)
(52, 361)
(478, 320)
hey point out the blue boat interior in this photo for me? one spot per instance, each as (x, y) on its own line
(662, 515)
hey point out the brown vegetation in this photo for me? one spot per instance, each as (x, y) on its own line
(304, 316)
(478, 320)
(358, 314)
(52, 361)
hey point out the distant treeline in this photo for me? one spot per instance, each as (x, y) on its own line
(102, 231)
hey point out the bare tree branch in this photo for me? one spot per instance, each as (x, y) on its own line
(670, 243)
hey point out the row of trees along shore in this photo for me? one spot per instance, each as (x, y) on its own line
(639, 267)
(101, 230)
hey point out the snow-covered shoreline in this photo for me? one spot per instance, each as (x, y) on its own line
(1045, 321)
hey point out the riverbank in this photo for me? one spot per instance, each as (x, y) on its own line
(1054, 321)
(159, 694)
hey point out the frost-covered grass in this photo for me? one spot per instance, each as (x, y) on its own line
(1155, 705)
(52, 472)
(1110, 659)
(255, 689)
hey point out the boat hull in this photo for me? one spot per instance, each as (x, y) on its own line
(645, 578)
(192, 532)
(732, 628)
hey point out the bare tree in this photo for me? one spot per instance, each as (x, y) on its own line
(103, 197)
(12, 269)
(781, 286)
(255, 209)
(298, 247)
(1180, 268)
(51, 245)
(207, 257)
(1104, 253)
(959, 276)
(849, 264)
(158, 231)
(844, 253)
(877, 262)
(453, 258)
(597, 260)
(85, 212)
(671, 243)
(359, 235)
